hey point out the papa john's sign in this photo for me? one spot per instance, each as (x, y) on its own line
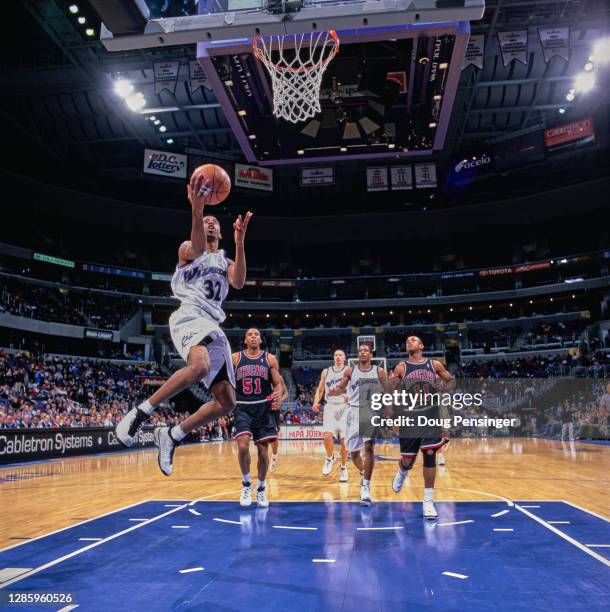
(253, 177)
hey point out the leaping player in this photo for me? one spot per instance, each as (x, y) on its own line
(335, 414)
(360, 382)
(260, 393)
(201, 283)
(421, 373)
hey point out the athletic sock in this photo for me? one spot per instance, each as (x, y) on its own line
(366, 482)
(261, 485)
(429, 494)
(246, 481)
(402, 470)
(177, 433)
(146, 407)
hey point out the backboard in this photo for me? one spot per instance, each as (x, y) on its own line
(387, 94)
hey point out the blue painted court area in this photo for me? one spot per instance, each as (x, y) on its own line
(318, 556)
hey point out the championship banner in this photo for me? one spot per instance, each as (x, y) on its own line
(474, 51)
(253, 177)
(555, 42)
(317, 176)
(197, 76)
(425, 176)
(570, 135)
(377, 179)
(401, 177)
(513, 46)
(163, 163)
(166, 76)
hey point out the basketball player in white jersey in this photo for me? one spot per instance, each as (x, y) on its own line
(360, 382)
(335, 414)
(421, 374)
(201, 283)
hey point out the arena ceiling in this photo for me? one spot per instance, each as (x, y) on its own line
(58, 93)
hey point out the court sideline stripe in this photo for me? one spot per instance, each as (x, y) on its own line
(46, 535)
(36, 570)
(585, 510)
(40, 568)
(565, 536)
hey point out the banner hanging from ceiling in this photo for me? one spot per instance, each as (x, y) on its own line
(166, 76)
(513, 46)
(555, 42)
(474, 51)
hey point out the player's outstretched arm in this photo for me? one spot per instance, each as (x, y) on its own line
(317, 398)
(196, 194)
(280, 391)
(342, 386)
(448, 383)
(237, 269)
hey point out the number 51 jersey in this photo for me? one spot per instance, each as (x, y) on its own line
(203, 283)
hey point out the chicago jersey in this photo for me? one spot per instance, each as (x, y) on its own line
(203, 283)
(253, 377)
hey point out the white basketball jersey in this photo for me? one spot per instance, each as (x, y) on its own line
(333, 378)
(203, 283)
(362, 382)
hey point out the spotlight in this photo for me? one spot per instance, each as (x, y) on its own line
(170, 141)
(82, 20)
(73, 8)
(252, 136)
(123, 87)
(152, 118)
(570, 96)
(562, 111)
(589, 66)
(157, 121)
(601, 51)
(135, 102)
(584, 82)
(163, 129)
(343, 149)
(300, 152)
(90, 32)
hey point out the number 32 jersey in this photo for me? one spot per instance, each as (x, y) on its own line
(203, 283)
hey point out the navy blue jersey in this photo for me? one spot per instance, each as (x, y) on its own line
(419, 376)
(253, 377)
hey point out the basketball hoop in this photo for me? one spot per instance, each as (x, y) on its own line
(296, 70)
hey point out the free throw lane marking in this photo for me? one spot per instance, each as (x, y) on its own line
(323, 560)
(190, 569)
(456, 523)
(598, 545)
(497, 514)
(7, 573)
(195, 512)
(227, 521)
(69, 608)
(454, 575)
(180, 527)
(378, 528)
(558, 522)
(297, 528)
(565, 536)
(503, 529)
(89, 539)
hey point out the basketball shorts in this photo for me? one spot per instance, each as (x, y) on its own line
(410, 446)
(191, 326)
(257, 421)
(334, 418)
(354, 438)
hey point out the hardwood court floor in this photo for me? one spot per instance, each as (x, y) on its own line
(38, 498)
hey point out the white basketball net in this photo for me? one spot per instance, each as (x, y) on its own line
(296, 63)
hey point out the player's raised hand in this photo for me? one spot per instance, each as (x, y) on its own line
(198, 191)
(240, 226)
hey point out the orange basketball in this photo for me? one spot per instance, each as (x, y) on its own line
(216, 184)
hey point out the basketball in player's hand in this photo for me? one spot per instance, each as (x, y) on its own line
(214, 183)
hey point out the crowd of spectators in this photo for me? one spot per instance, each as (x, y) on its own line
(488, 340)
(563, 333)
(62, 305)
(71, 392)
(323, 347)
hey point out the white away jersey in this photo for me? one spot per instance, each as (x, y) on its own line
(333, 378)
(203, 283)
(363, 382)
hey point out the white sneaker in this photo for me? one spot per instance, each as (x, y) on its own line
(399, 480)
(261, 498)
(167, 446)
(328, 465)
(128, 426)
(343, 473)
(273, 464)
(429, 510)
(365, 494)
(441, 459)
(245, 499)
